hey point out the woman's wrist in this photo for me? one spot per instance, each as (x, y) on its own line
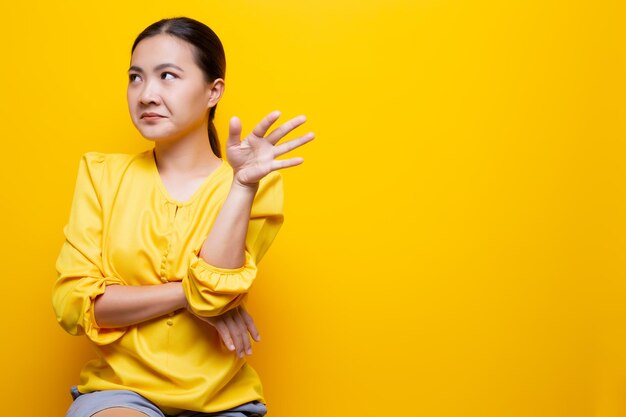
(244, 187)
(243, 194)
(181, 299)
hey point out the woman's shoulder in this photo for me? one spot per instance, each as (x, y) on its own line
(272, 184)
(269, 198)
(106, 170)
(112, 160)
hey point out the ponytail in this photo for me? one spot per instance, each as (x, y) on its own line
(213, 138)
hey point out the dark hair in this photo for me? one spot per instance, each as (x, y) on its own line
(208, 53)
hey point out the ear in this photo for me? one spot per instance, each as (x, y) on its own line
(216, 89)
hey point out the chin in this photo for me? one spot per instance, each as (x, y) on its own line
(151, 137)
(154, 134)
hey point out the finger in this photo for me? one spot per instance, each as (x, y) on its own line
(247, 347)
(234, 132)
(284, 129)
(235, 333)
(222, 329)
(261, 129)
(247, 318)
(283, 148)
(285, 163)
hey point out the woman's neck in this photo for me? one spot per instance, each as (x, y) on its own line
(189, 156)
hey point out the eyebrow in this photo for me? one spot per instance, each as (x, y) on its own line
(157, 68)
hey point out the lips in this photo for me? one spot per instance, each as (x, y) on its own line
(150, 115)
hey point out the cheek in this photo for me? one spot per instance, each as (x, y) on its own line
(191, 103)
(130, 98)
(200, 100)
(195, 93)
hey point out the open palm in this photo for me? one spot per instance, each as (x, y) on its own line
(255, 156)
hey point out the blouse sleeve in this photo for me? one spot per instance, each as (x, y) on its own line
(210, 290)
(79, 265)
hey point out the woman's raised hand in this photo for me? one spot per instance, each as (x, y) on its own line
(255, 156)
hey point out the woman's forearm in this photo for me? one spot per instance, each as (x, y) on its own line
(251, 159)
(225, 245)
(123, 305)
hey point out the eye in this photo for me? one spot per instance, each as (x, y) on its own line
(168, 76)
(134, 78)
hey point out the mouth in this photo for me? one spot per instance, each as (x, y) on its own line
(151, 116)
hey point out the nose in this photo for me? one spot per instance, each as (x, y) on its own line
(149, 94)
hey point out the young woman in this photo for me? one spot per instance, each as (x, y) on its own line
(161, 247)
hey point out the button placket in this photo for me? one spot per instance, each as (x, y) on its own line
(173, 210)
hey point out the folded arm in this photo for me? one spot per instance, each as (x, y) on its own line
(124, 305)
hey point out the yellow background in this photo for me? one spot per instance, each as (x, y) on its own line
(455, 242)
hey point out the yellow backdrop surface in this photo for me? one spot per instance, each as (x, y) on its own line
(454, 244)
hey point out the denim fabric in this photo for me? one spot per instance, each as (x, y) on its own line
(85, 405)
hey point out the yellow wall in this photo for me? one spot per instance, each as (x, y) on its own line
(455, 242)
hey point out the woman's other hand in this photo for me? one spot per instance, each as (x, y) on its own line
(255, 156)
(235, 328)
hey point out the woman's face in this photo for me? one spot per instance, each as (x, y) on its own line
(168, 96)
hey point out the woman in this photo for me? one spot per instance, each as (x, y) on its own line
(161, 247)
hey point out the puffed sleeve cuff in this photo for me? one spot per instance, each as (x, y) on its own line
(77, 315)
(211, 290)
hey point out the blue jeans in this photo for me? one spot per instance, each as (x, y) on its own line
(86, 405)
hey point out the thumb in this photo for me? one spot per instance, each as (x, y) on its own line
(234, 132)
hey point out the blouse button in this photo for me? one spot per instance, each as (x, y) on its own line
(170, 322)
(163, 279)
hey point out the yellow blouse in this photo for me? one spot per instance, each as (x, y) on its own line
(125, 229)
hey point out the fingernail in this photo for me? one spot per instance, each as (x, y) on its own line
(231, 347)
(249, 351)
